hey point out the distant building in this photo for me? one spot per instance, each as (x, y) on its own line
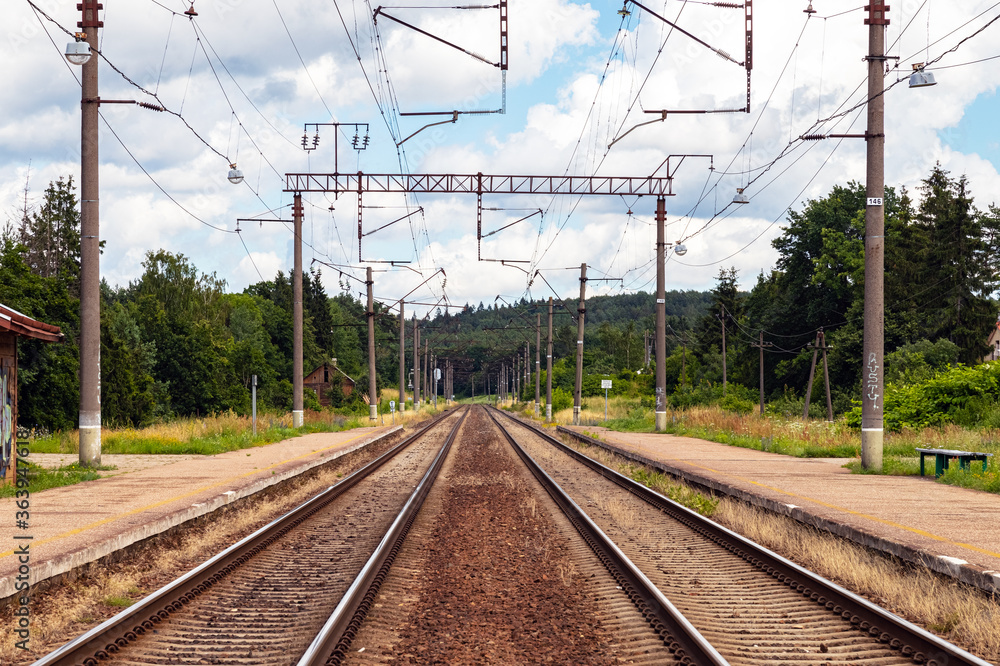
(13, 324)
(994, 343)
(322, 379)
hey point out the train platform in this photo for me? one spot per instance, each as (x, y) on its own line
(951, 530)
(65, 528)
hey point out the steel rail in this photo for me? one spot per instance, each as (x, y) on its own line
(117, 632)
(910, 640)
(681, 637)
(334, 639)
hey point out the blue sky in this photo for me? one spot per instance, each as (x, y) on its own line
(575, 84)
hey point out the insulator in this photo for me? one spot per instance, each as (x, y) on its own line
(728, 5)
(305, 142)
(354, 141)
(316, 140)
(722, 54)
(364, 142)
(151, 107)
(812, 137)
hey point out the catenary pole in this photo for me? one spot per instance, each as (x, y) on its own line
(659, 344)
(548, 369)
(402, 358)
(90, 248)
(372, 390)
(538, 363)
(298, 413)
(582, 310)
(416, 364)
(873, 343)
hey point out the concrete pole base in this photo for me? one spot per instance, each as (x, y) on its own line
(372, 412)
(298, 418)
(90, 446)
(548, 413)
(576, 415)
(538, 408)
(661, 421)
(871, 448)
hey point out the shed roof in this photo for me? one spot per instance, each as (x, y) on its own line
(20, 324)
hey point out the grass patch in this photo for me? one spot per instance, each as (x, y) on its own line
(651, 478)
(811, 439)
(201, 436)
(40, 478)
(891, 466)
(117, 601)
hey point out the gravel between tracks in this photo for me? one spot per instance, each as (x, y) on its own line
(495, 580)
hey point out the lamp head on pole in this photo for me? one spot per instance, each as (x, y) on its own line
(680, 249)
(235, 175)
(78, 52)
(740, 197)
(919, 78)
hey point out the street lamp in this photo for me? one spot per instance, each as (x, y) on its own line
(235, 175)
(78, 52)
(919, 78)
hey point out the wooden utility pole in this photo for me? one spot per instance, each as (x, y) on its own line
(298, 414)
(372, 390)
(819, 346)
(402, 358)
(660, 336)
(427, 384)
(684, 358)
(548, 369)
(826, 376)
(582, 311)
(760, 345)
(722, 318)
(873, 342)
(538, 363)
(812, 375)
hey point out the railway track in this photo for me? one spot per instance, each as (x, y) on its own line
(256, 602)
(659, 583)
(751, 604)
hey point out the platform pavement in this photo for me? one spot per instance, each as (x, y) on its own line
(955, 531)
(74, 525)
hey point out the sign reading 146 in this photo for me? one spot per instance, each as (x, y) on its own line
(874, 201)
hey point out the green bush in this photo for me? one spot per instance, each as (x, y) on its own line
(963, 395)
(561, 399)
(739, 399)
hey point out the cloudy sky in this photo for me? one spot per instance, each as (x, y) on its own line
(243, 78)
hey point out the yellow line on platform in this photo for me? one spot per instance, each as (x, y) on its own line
(225, 481)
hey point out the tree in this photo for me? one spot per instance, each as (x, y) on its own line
(958, 264)
(51, 235)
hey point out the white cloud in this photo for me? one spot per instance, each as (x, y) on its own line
(563, 111)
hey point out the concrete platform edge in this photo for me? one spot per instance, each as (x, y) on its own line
(988, 581)
(42, 571)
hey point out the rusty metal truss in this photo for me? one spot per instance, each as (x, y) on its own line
(344, 183)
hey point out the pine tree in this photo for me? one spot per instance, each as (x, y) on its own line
(51, 235)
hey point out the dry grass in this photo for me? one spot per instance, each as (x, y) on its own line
(957, 612)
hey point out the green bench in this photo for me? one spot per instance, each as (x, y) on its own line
(943, 456)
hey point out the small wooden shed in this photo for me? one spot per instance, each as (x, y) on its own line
(13, 324)
(322, 378)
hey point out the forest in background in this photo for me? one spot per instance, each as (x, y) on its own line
(175, 342)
